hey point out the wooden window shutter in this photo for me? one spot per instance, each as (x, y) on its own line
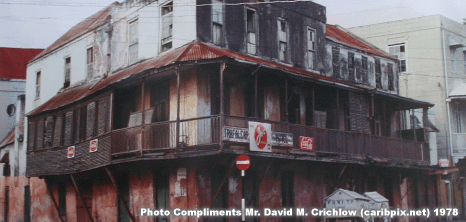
(76, 125)
(31, 135)
(48, 132)
(102, 116)
(68, 128)
(57, 132)
(40, 134)
(90, 123)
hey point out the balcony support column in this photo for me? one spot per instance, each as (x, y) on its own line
(54, 201)
(75, 185)
(222, 102)
(120, 197)
(178, 96)
(255, 95)
(286, 100)
(143, 121)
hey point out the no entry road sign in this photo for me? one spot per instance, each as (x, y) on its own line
(243, 162)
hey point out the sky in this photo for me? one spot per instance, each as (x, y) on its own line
(38, 23)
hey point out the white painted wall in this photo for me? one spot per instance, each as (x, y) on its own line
(10, 89)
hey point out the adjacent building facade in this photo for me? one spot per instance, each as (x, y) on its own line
(432, 63)
(147, 105)
(13, 182)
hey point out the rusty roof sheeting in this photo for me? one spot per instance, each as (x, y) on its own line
(344, 36)
(13, 62)
(10, 139)
(87, 25)
(190, 52)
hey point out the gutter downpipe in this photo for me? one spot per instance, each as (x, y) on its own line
(447, 100)
(449, 148)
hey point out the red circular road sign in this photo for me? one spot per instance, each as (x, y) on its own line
(260, 136)
(243, 162)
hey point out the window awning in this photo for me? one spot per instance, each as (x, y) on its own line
(458, 90)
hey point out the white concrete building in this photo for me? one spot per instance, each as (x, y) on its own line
(432, 53)
(117, 36)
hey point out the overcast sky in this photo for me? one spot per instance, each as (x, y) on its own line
(38, 23)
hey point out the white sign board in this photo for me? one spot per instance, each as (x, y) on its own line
(260, 137)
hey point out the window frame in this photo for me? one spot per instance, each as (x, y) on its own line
(311, 50)
(251, 45)
(90, 58)
(218, 22)
(405, 59)
(166, 42)
(282, 39)
(133, 46)
(38, 82)
(67, 73)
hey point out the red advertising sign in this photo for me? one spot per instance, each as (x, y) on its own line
(71, 151)
(260, 137)
(243, 162)
(93, 145)
(306, 143)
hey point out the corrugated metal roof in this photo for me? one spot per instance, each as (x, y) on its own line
(13, 62)
(189, 52)
(8, 139)
(375, 197)
(349, 193)
(87, 25)
(344, 36)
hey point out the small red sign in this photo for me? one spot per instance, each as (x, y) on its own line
(243, 162)
(93, 145)
(306, 143)
(260, 136)
(71, 151)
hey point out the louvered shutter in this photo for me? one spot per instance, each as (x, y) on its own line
(40, 134)
(68, 128)
(90, 122)
(57, 132)
(102, 116)
(48, 132)
(31, 135)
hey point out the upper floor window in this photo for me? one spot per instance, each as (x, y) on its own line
(251, 30)
(90, 62)
(391, 77)
(399, 51)
(67, 72)
(453, 59)
(311, 48)
(133, 41)
(282, 39)
(38, 84)
(217, 21)
(167, 26)
(378, 74)
(464, 59)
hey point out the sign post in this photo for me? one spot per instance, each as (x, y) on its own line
(243, 162)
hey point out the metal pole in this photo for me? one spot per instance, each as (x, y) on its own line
(178, 86)
(222, 102)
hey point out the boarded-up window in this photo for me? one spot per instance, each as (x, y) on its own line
(102, 116)
(68, 128)
(48, 132)
(358, 108)
(90, 122)
(40, 134)
(378, 74)
(391, 79)
(336, 61)
(76, 125)
(57, 131)
(31, 135)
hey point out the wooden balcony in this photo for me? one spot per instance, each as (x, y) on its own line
(205, 133)
(203, 136)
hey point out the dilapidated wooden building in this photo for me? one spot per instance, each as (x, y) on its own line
(163, 132)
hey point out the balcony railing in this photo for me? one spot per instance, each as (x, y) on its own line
(206, 131)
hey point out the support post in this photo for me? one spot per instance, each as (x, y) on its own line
(223, 181)
(81, 197)
(256, 112)
(222, 103)
(53, 200)
(178, 86)
(286, 101)
(110, 175)
(143, 121)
